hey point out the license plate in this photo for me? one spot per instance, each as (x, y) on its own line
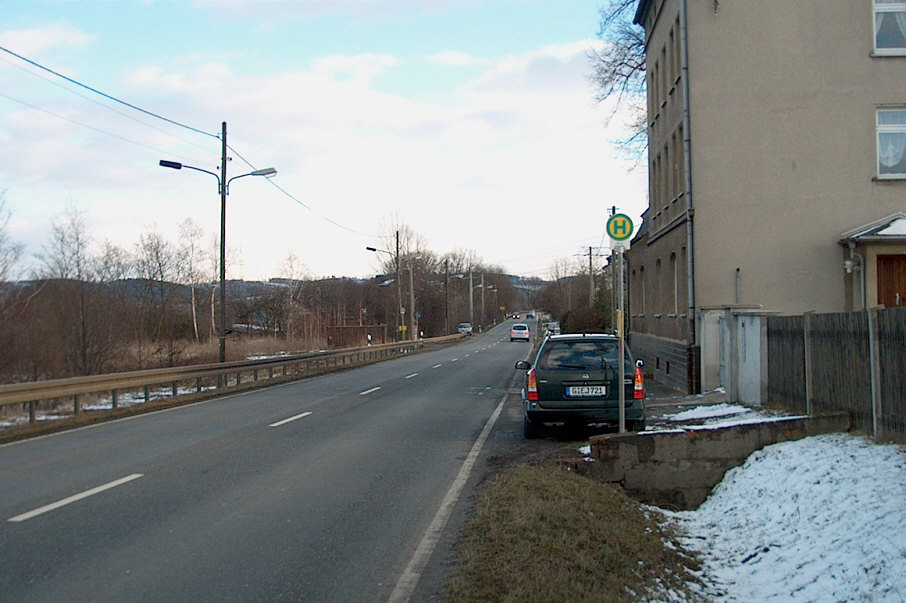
(581, 391)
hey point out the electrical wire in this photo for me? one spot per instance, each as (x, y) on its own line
(299, 201)
(156, 116)
(102, 105)
(84, 125)
(107, 96)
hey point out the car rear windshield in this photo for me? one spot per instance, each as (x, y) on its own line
(582, 355)
(520, 328)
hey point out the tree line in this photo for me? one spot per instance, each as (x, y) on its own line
(94, 309)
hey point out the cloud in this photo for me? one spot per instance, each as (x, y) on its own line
(361, 68)
(518, 145)
(456, 59)
(36, 41)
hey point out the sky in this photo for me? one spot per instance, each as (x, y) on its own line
(817, 519)
(472, 123)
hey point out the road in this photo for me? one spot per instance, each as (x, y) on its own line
(337, 488)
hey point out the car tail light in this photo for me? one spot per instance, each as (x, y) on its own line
(638, 388)
(531, 386)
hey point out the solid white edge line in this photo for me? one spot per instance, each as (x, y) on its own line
(289, 420)
(369, 391)
(72, 499)
(407, 582)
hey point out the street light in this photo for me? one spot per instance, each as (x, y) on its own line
(224, 189)
(399, 287)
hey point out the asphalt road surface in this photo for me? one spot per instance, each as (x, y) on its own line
(345, 487)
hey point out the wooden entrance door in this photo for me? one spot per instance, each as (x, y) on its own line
(892, 281)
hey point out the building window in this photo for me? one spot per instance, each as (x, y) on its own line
(892, 143)
(890, 26)
(674, 276)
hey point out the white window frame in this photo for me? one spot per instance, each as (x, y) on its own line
(887, 129)
(886, 7)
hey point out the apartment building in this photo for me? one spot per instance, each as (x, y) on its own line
(777, 169)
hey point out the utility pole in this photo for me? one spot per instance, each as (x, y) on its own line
(412, 328)
(482, 299)
(591, 275)
(399, 293)
(446, 297)
(223, 196)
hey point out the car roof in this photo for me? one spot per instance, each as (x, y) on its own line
(584, 336)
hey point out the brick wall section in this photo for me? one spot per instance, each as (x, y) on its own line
(677, 469)
(667, 361)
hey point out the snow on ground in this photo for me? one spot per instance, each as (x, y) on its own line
(818, 519)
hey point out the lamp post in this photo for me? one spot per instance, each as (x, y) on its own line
(224, 189)
(399, 287)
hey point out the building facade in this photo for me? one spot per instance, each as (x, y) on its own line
(777, 169)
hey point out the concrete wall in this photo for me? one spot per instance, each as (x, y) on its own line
(678, 469)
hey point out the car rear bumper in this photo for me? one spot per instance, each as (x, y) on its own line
(610, 414)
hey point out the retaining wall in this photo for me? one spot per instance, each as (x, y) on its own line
(677, 469)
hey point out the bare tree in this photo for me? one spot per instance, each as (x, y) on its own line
(10, 250)
(157, 266)
(619, 71)
(190, 257)
(294, 271)
(75, 296)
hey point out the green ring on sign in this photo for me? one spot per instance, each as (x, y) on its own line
(619, 227)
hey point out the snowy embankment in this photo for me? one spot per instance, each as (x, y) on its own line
(818, 519)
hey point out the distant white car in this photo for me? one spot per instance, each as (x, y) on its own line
(553, 328)
(520, 331)
(465, 327)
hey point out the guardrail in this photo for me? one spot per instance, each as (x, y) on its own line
(112, 391)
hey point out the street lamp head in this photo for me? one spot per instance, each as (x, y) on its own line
(267, 172)
(370, 249)
(170, 164)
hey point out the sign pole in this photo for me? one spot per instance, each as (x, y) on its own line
(620, 228)
(622, 342)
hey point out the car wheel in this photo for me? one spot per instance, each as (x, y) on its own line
(530, 429)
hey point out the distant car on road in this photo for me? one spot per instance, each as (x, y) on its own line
(553, 327)
(520, 330)
(576, 380)
(465, 327)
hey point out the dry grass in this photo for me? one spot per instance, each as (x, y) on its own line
(541, 533)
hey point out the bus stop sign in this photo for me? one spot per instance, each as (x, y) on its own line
(619, 227)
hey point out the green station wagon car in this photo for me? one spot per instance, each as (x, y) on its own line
(575, 380)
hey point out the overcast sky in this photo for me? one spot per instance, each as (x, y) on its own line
(473, 122)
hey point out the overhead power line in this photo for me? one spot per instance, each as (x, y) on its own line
(162, 118)
(107, 96)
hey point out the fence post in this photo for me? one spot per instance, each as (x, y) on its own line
(806, 351)
(113, 398)
(75, 404)
(874, 360)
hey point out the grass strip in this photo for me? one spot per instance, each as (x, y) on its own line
(542, 533)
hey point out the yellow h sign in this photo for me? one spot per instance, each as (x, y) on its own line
(619, 227)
